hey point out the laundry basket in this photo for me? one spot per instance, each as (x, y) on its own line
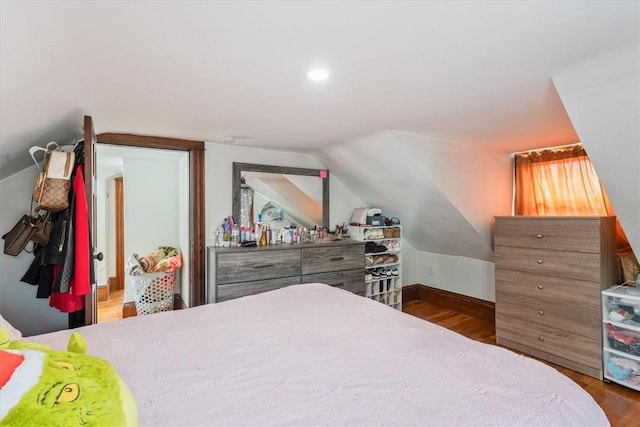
(153, 292)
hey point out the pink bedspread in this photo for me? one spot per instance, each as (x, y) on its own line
(313, 355)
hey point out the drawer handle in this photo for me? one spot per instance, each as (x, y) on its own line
(541, 313)
(338, 258)
(539, 261)
(540, 338)
(538, 236)
(540, 287)
(263, 265)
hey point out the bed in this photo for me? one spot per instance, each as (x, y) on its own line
(314, 355)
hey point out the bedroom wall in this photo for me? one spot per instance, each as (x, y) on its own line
(34, 316)
(602, 98)
(152, 209)
(446, 195)
(109, 226)
(18, 302)
(462, 275)
(219, 159)
(105, 221)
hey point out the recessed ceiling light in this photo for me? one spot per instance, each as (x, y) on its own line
(318, 74)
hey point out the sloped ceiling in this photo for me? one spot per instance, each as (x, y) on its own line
(473, 72)
(445, 194)
(413, 85)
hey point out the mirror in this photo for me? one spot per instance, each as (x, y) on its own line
(297, 195)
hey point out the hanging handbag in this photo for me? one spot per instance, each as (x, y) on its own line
(58, 238)
(16, 240)
(44, 225)
(51, 191)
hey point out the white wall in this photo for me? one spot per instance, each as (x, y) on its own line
(462, 275)
(219, 159)
(105, 222)
(184, 241)
(18, 302)
(110, 227)
(446, 196)
(152, 207)
(602, 98)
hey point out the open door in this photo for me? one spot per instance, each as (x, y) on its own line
(90, 303)
(197, 283)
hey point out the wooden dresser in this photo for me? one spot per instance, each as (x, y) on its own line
(549, 274)
(237, 272)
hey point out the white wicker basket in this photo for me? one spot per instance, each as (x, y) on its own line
(153, 292)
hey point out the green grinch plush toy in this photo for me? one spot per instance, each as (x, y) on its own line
(41, 386)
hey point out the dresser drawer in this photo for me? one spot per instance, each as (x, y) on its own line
(257, 265)
(548, 288)
(237, 290)
(349, 280)
(573, 265)
(573, 318)
(577, 348)
(566, 234)
(332, 258)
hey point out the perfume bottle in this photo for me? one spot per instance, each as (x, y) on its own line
(263, 237)
(219, 234)
(235, 236)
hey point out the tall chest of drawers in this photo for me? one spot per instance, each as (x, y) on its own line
(549, 275)
(237, 272)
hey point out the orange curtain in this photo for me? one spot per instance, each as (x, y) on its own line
(561, 182)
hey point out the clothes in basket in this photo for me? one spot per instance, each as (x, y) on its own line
(153, 278)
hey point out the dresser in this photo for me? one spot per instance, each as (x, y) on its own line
(237, 272)
(549, 275)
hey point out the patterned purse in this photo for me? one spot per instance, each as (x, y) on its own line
(51, 191)
(20, 235)
(43, 230)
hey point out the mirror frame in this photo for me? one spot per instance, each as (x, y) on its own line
(238, 168)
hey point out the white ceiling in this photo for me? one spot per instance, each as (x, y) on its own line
(473, 72)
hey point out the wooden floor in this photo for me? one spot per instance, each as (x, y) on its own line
(621, 404)
(111, 310)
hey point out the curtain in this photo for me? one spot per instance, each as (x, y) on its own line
(562, 182)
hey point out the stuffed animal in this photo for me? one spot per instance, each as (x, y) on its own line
(42, 386)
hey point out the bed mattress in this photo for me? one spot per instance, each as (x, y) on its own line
(313, 355)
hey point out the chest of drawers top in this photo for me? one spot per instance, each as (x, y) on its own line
(575, 233)
(288, 247)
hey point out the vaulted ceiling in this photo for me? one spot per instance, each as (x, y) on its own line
(474, 72)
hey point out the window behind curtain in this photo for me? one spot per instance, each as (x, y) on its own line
(563, 182)
(558, 182)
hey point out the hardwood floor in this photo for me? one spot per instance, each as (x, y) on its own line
(111, 310)
(115, 309)
(621, 404)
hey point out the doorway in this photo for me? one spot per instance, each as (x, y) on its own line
(141, 205)
(111, 286)
(195, 194)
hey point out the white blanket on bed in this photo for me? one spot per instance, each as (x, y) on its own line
(313, 355)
